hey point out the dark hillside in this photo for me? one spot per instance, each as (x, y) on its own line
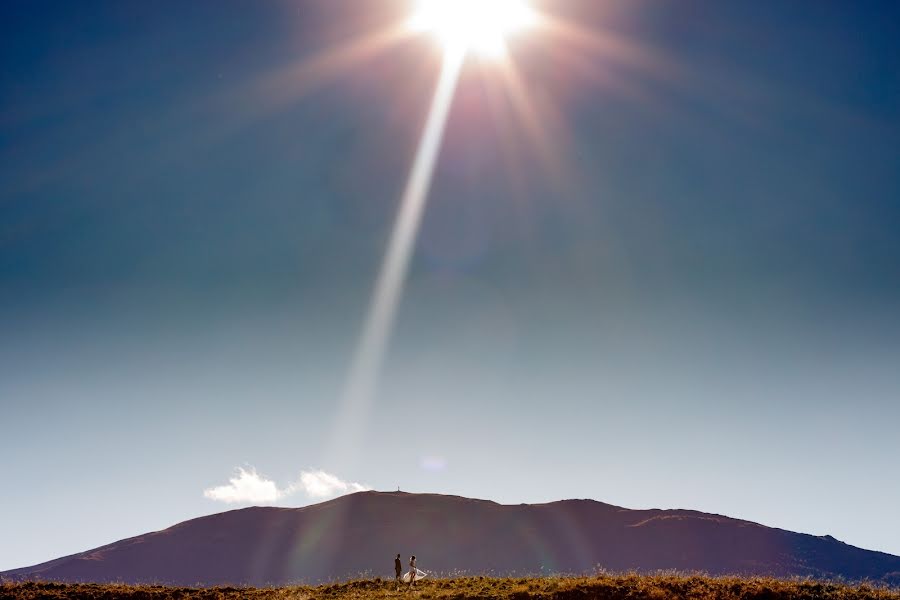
(361, 533)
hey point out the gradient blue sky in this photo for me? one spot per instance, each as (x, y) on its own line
(698, 306)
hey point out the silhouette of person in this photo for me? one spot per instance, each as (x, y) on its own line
(398, 570)
(412, 570)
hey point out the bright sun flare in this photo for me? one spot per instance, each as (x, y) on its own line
(480, 26)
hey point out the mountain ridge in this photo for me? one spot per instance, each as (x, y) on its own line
(361, 533)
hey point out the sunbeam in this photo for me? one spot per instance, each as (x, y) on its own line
(288, 84)
(369, 353)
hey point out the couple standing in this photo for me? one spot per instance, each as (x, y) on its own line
(398, 570)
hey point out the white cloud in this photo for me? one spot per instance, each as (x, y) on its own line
(245, 486)
(249, 487)
(319, 484)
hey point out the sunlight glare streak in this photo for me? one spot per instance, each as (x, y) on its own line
(537, 127)
(613, 48)
(370, 350)
(285, 86)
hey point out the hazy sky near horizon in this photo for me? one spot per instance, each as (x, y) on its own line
(691, 300)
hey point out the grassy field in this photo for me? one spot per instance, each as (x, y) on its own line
(626, 587)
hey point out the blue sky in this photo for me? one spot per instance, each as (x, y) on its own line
(692, 302)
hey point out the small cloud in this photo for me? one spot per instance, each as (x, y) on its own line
(249, 487)
(246, 486)
(433, 463)
(319, 484)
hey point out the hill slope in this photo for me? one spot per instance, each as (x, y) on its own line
(362, 532)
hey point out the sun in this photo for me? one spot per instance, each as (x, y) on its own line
(479, 26)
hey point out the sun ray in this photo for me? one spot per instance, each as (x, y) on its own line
(537, 126)
(285, 86)
(609, 45)
(370, 350)
(619, 64)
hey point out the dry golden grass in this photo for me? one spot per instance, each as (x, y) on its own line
(605, 587)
